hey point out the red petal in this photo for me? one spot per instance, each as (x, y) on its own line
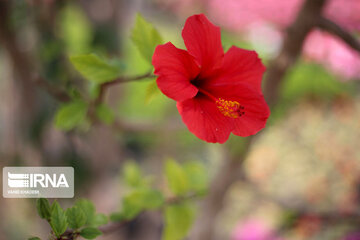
(203, 41)
(256, 110)
(256, 114)
(240, 66)
(175, 68)
(203, 119)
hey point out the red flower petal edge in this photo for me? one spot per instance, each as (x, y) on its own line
(216, 93)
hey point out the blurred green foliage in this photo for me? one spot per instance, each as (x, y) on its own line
(178, 221)
(145, 37)
(75, 30)
(71, 115)
(95, 69)
(310, 79)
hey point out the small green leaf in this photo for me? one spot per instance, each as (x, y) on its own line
(71, 115)
(151, 91)
(90, 233)
(75, 29)
(99, 219)
(176, 177)
(117, 217)
(75, 217)
(34, 238)
(132, 174)
(58, 220)
(139, 200)
(94, 68)
(105, 114)
(43, 208)
(197, 176)
(145, 37)
(178, 220)
(88, 209)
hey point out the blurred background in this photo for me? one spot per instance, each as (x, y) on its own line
(302, 173)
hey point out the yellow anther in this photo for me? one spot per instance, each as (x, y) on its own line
(229, 108)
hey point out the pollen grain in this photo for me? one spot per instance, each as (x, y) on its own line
(232, 109)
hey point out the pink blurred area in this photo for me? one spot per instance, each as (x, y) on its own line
(333, 53)
(253, 229)
(238, 14)
(263, 21)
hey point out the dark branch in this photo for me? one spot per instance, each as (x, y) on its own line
(106, 85)
(331, 27)
(306, 20)
(55, 92)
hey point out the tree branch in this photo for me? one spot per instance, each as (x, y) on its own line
(331, 27)
(106, 85)
(55, 92)
(306, 20)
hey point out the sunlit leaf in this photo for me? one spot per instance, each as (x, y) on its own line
(71, 115)
(176, 177)
(58, 219)
(99, 219)
(197, 175)
(43, 208)
(132, 174)
(75, 217)
(178, 220)
(151, 91)
(88, 208)
(90, 233)
(75, 29)
(105, 114)
(145, 37)
(94, 68)
(139, 200)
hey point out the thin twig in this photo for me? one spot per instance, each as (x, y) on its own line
(333, 28)
(55, 92)
(106, 85)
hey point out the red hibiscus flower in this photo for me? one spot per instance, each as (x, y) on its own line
(216, 93)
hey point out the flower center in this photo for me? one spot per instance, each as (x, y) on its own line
(228, 108)
(232, 109)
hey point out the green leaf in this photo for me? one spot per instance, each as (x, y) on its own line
(90, 233)
(88, 209)
(75, 29)
(71, 115)
(197, 176)
(58, 220)
(43, 208)
(105, 114)
(176, 177)
(99, 219)
(34, 238)
(314, 80)
(178, 221)
(75, 217)
(151, 91)
(117, 217)
(145, 37)
(94, 68)
(132, 174)
(139, 200)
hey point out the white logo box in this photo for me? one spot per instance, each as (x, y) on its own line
(36, 182)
